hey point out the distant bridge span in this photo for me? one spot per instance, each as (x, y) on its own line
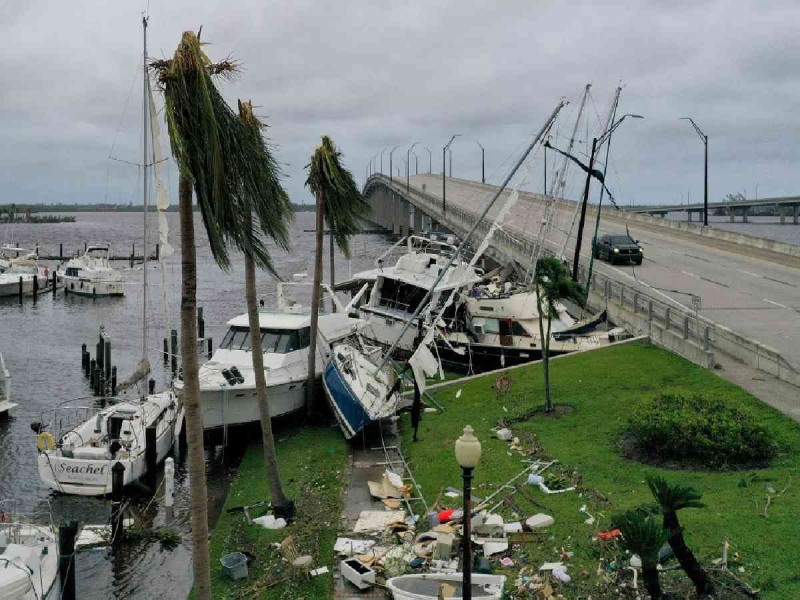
(788, 206)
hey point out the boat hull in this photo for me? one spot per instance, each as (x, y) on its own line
(32, 578)
(93, 289)
(425, 586)
(347, 409)
(9, 289)
(226, 407)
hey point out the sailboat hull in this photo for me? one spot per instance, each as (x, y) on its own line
(347, 409)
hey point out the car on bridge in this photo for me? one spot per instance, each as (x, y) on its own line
(618, 248)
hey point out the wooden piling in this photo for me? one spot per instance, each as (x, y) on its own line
(83, 358)
(107, 359)
(20, 289)
(117, 483)
(55, 282)
(201, 324)
(174, 350)
(67, 532)
(113, 381)
(35, 287)
(166, 351)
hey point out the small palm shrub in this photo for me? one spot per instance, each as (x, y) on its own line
(697, 431)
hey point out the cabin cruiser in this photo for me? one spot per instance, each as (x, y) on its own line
(227, 381)
(26, 273)
(397, 292)
(28, 557)
(91, 274)
(78, 459)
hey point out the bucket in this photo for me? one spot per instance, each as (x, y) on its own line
(234, 565)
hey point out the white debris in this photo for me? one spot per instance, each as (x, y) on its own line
(351, 547)
(539, 520)
(377, 520)
(270, 522)
(504, 434)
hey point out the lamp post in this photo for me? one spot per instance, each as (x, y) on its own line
(483, 162)
(450, 158)
(390, 162)
(444, 173)
(704, 139)
(416, 163)
(382, 151)
(430, 160)
(468, 454)
(408, 165)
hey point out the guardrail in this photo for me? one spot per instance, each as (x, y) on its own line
(676, 328)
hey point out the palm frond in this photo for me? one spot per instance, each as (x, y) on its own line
(643, 533)
(344, 205)
(673, 497)
(221, 155)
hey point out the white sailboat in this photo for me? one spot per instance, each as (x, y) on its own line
(91, 274)
(28, 557)
(77, 457)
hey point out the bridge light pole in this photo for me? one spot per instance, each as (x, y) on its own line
(704, 139)
(430, 160)
(483, 162)
(382, 151)
(444, 172)
(408, 165)
(416, 163)
(390, 162)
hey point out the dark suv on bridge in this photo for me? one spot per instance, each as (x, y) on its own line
(618, 248)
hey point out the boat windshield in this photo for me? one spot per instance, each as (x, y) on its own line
(401, 296)
(278, 341)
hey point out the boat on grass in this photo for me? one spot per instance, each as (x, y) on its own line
(426, 586)
(28, 557)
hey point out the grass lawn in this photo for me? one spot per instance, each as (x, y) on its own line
(312, 463)
(603, 387)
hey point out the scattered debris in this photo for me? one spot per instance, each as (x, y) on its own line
(270, 522)
(378, 521)
(539, 520)
(351, 547)
(320, 571)
(504, 434)
(357, 573)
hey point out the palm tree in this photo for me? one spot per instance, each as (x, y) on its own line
(213, 150)
(552, 283)
(671, 498)
(643, 534)
(342, 206)
(275, 201)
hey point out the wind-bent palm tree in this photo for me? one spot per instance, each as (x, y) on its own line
(342, 206)
(643, 534)
(265, 173)
(671, 498)
(214, 154)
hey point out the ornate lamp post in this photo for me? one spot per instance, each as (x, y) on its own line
(468, 454)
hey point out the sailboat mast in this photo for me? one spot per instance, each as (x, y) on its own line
(145, 161)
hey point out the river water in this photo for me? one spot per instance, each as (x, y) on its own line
(41, 345)
(765, 227)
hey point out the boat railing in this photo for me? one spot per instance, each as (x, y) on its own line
(66, 419)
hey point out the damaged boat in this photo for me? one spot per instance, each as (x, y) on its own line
(428, 586)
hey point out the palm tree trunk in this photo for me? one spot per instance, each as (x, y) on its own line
(315, 293)
(545, 341)
(333, 270)
(651, 583)
(277, 496)
(690, 565)
(191, 396)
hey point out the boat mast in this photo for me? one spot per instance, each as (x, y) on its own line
(145, 159)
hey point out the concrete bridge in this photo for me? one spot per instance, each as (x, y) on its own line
(787, 206)
(718, 298)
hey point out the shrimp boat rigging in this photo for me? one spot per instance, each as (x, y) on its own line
(357, 384)
(138, 433)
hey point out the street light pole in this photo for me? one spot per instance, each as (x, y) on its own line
(382, 151)
(483, 162)
(450, 156)
(430, 160)
(390, 162)
(408, 165)
(704, 139)
(468, 455)
(444, 172)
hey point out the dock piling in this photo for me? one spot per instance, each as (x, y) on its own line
(174, 350)
(67, 532)
(117, 483)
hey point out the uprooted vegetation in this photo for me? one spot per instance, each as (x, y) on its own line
(697, 431)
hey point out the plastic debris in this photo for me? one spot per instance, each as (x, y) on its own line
(590, 519)
(609, 535)
(270, 522)
(506, 562)
(504, 434)
(636, 562)
(560, 573)
(377, 520)
(515, 527)
(539, 520)
(349, 547)
(320, 571)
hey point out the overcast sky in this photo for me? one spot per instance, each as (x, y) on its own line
(377, 74)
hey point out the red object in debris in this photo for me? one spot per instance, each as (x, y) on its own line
(608, 535)
(452, 514)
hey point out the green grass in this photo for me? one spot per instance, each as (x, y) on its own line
(603, 387)
(312, 463)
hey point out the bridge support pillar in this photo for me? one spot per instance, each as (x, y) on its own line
(745, 210)
(796, 214)
(732, 214)
(782, 210)
(689, 215)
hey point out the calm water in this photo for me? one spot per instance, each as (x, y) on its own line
(41, 346)
(766, 227)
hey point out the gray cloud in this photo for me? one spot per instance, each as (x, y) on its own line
(377, 74)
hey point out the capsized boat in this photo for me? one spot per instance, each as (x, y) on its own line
(426, 586)
(28, 557)
(227, 381)
(357, 391)
(91, 274)
(78, 460)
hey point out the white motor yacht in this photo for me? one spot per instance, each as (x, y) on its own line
(78, 460)
(25, 273)
(227, 381)
(28, 557)
(92, 275)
